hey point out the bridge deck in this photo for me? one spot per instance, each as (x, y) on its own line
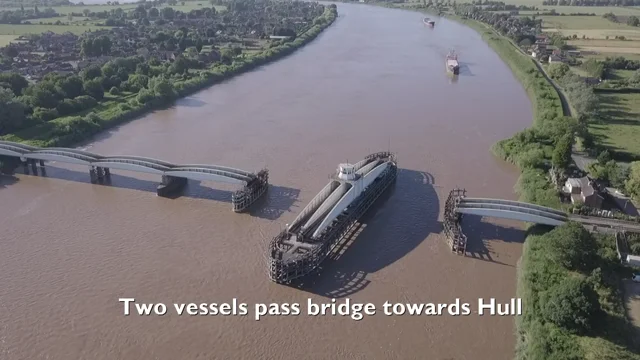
(125, 162)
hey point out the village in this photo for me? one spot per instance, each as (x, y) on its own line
(202, 34)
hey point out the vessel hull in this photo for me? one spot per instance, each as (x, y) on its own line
(284, 270)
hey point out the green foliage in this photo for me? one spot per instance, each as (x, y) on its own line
(557, 71)
(158, 92)
(573, 247)
(594, 68)
(11, 111)
(632, 185)
(566, 296)
(562, 152)
(91, 72)
(15, 82)
(94, 88)
(633, 20)
(571, 304)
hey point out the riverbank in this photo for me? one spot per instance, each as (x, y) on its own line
(114, 111)
(540, 333)
(545, 331)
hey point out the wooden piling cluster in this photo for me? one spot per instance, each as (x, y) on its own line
(456, 239)
(246, 196)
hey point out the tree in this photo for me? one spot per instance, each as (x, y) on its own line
(154, 13)
(16, 82)
(70, 86)
(632, 185)
(633, 21)
(573, 247)
(12, 111)
(162, 89)
(94, 88)
(167, 13)
(562, 152)
(557, 71)
(91, 72)
(604, 157)
(572, 304)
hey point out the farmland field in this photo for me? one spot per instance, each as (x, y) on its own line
(6, 29)
(6, 39)
(64, 10)
(620, 130)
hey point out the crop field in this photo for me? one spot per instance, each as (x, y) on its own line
(620, 129)
(16, 30)
(582, 22)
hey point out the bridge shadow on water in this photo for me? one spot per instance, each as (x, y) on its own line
(398, 222)
(277, 201)
(279, 198)
(7, 180)
(481, 234)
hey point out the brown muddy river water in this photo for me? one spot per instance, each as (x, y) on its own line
(70, 249)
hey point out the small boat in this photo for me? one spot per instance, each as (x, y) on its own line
(452, 63)
(429, 22)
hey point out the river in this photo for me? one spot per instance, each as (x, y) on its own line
(374, 80)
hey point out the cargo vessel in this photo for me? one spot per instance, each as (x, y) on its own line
(452, 63)
(429, 22)
(323, 223)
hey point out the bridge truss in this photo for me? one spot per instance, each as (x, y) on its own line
(174, 176)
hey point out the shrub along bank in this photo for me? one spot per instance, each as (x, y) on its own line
(158, 94)
(570, 285)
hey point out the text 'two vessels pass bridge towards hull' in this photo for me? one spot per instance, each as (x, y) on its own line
(324, 222)
(174, 176)
(458, 204)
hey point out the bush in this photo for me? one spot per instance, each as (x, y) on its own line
(573, 247)
(114, 91)
(572, 304)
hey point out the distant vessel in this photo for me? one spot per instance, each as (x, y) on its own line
(452, 63)
(327, 219)
(429, 22)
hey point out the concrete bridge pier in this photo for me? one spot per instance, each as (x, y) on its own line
(171, 185)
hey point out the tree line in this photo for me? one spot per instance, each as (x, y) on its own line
(17, 16)
(591, 2)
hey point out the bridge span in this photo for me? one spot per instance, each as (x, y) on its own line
(458, 204)
(174, 176)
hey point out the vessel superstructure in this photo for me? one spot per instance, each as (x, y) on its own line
(322, 224)
(429, 22)
(452, 63)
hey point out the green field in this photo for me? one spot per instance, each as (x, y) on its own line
(599, 34)
(6, 39)
(79, 8)
(64, 19)
(16, 30)
(189, 5)
(620, 130)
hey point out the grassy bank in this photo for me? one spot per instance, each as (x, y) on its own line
(114, 110)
